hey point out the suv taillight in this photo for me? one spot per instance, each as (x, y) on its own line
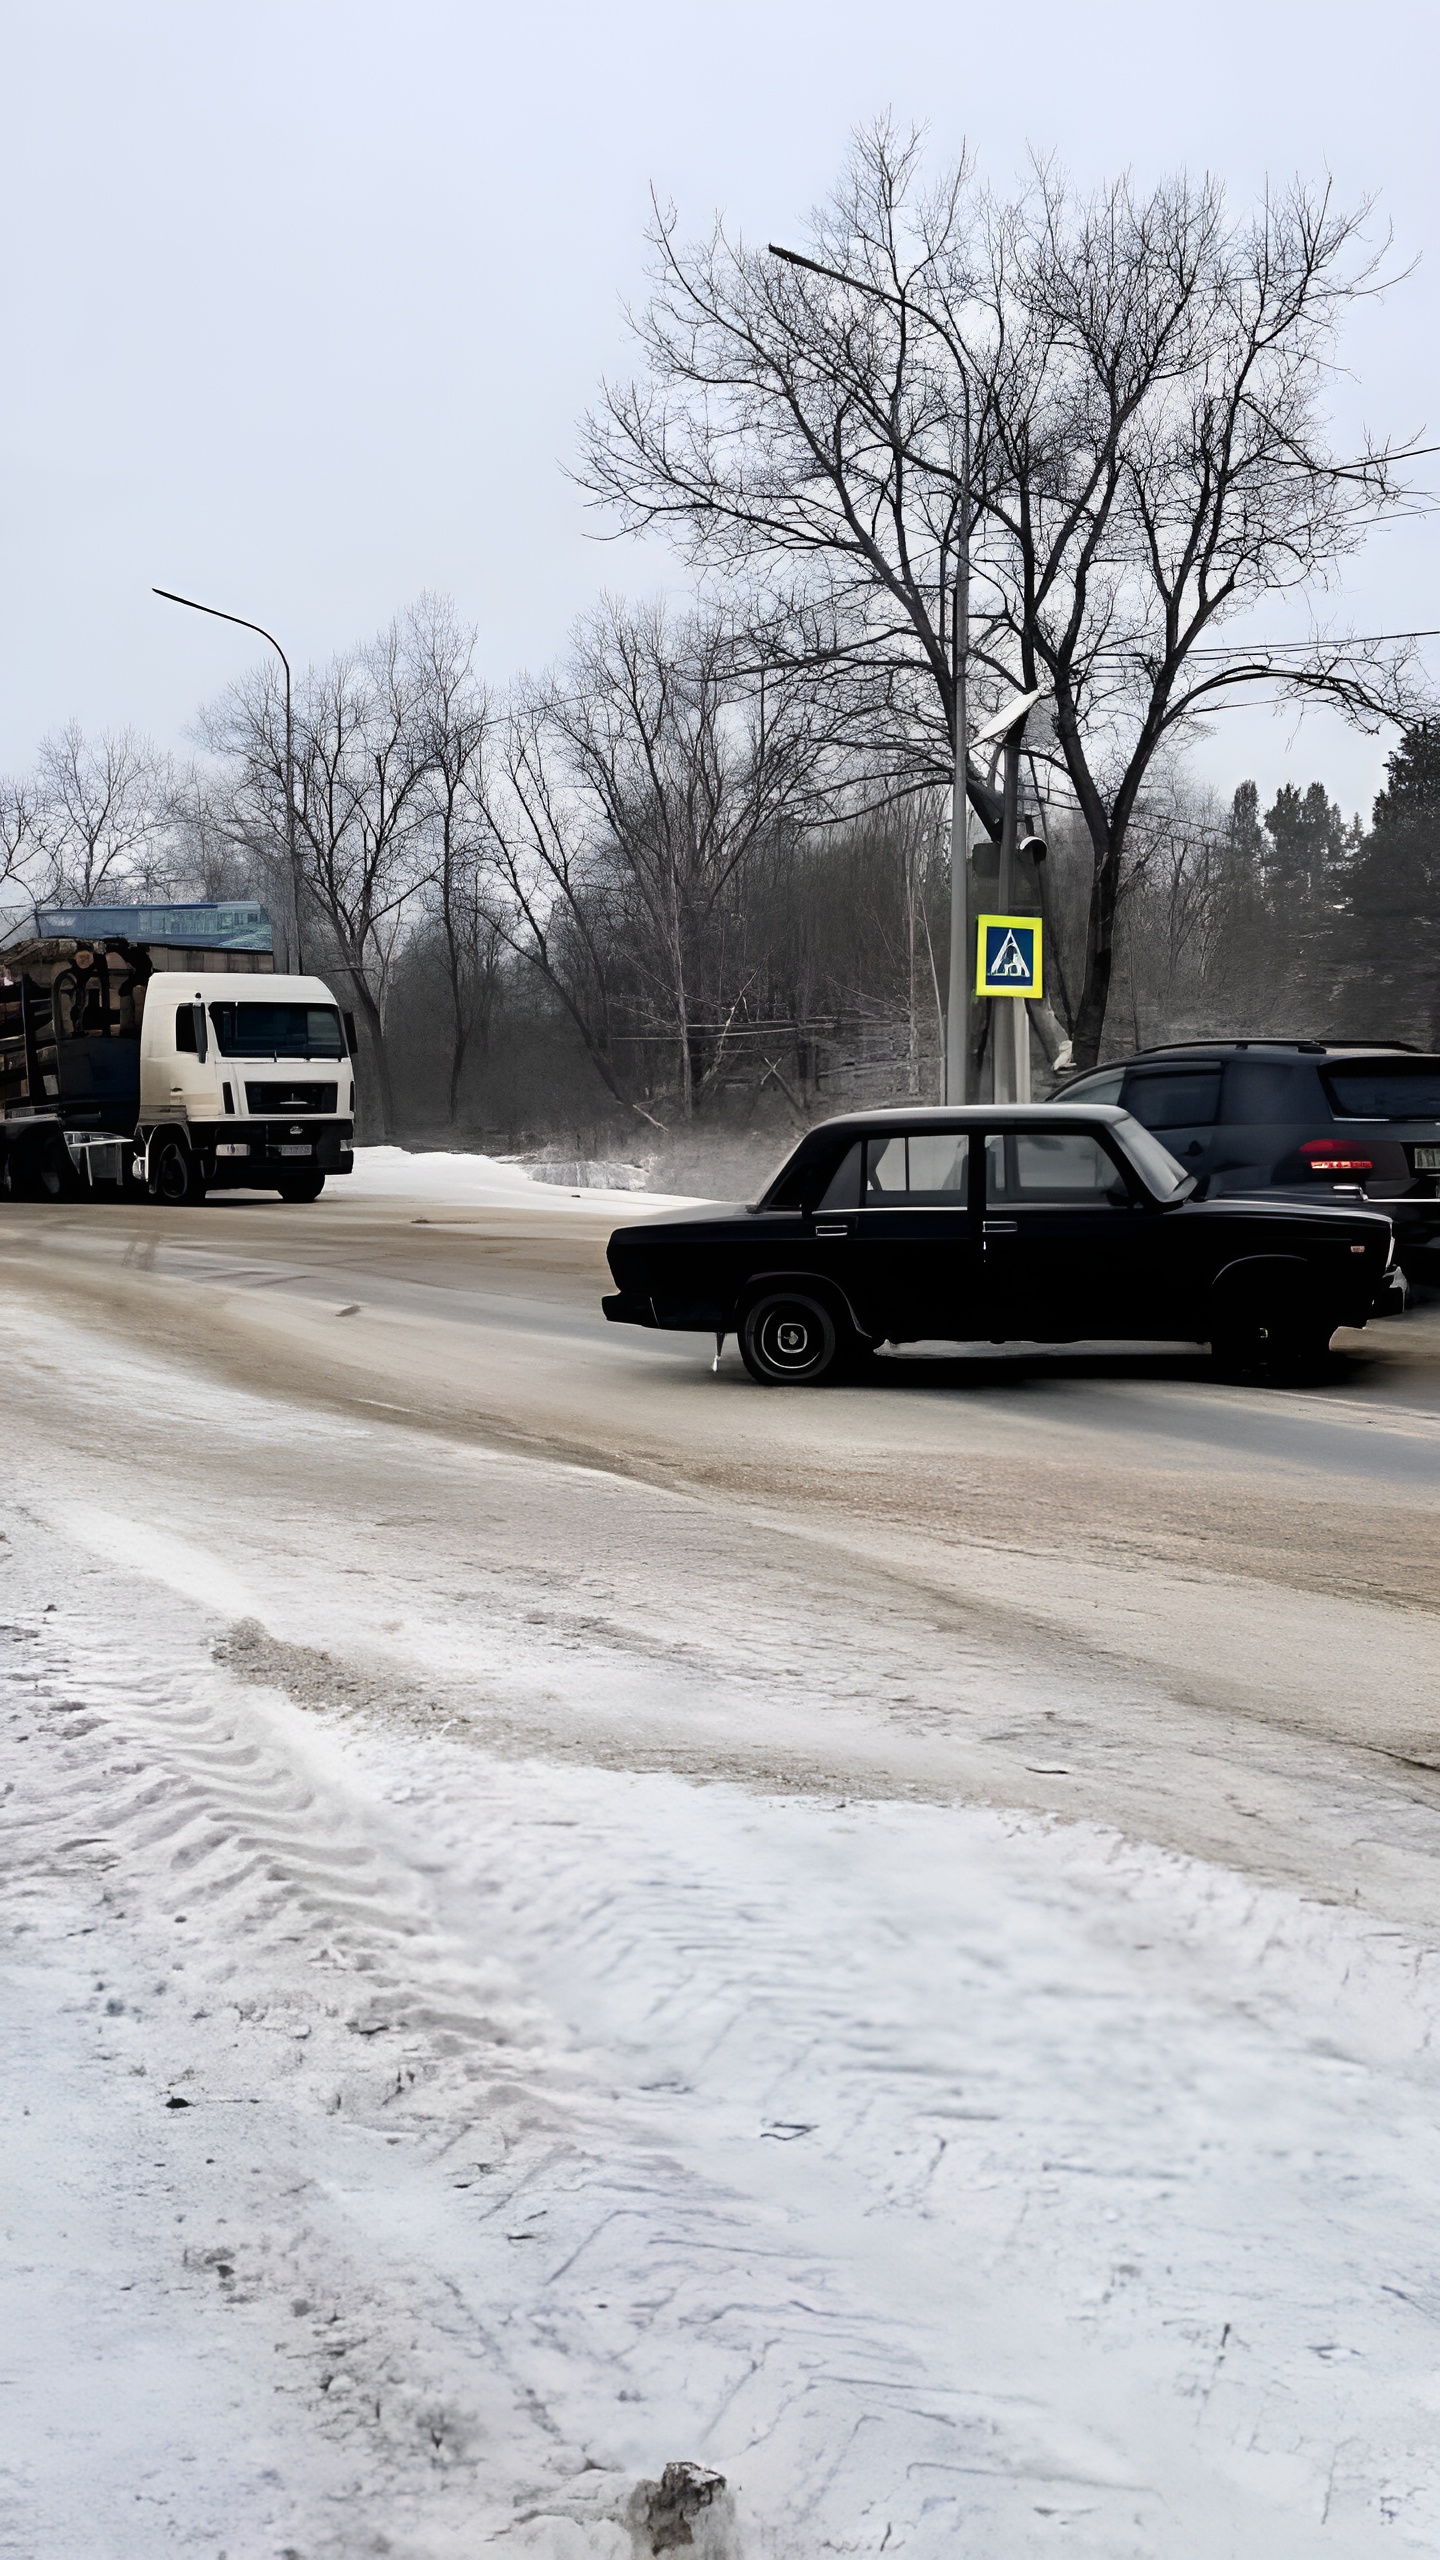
(1331, 1155)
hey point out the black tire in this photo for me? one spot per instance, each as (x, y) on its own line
(300, 1186)
(1282, 1340)
(39, 1169)
(175, 1177)
(1300, 1351)
(789, 1339)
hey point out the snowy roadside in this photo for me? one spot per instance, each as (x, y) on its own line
(945, 2179)
(474, 1181)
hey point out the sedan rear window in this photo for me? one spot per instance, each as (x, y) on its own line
(1400, 1089)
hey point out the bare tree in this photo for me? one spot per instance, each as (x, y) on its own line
(1126, 390)
(21, 846)
(95, 816)
(361, 761)
(458, 724)
(641, 786)
(202, 856)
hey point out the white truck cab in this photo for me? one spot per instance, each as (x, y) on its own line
(246, 1083)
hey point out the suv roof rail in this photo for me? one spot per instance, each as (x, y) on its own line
(1260, 1040)
(1407, 1048)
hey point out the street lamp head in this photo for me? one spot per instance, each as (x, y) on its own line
(996, 731)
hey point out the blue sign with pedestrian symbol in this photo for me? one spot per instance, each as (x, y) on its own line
(1009, 956)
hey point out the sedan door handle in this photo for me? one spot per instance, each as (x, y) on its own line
(1002, 1226)
(832, 1231)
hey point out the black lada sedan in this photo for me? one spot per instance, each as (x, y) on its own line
(1032, 1223)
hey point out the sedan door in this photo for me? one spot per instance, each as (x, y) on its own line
(907, 1252)
(1069, 1244)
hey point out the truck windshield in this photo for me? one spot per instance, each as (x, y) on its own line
(278, 1030)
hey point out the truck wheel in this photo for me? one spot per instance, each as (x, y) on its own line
(39, 1169)
(175, 1176)
(300, 1186)
(789, 1340)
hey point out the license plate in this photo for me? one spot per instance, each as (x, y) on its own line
(1427, 1159)
(294, 1151)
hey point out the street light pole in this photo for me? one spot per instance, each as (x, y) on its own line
(957, 1004)
(291, 849)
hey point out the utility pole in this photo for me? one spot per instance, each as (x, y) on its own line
(957, 1003)
(291, 848)
(1009, 1015)
(1011, 1033)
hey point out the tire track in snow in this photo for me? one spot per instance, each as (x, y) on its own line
(545, 2248)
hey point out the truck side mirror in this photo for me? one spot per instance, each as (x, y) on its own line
(202, 1033)
(351, 1043)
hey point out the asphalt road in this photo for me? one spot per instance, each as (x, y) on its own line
(1096, 1582)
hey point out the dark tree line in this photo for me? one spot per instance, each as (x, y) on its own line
(1291, 918)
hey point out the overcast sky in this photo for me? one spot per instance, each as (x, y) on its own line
(302, 301)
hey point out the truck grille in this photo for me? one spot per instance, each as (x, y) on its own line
(290, 1097)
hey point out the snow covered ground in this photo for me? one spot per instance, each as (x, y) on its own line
(457, 1181)
(417, 2134)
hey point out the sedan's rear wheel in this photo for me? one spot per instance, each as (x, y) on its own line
(789, 1340)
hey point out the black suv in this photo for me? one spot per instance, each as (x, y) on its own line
(1295, 1115)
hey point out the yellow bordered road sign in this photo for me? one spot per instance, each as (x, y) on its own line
(1009, 956)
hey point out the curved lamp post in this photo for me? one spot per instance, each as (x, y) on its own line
(290, 845)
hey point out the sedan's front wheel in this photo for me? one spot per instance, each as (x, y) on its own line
(1288, 1344)
(789, 1340)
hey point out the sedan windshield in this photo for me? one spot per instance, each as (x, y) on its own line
(278, 1030)
(1163, 1176)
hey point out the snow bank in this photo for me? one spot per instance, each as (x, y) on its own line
(480, 1182)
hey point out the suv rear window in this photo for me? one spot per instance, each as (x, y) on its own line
(1400, 1089)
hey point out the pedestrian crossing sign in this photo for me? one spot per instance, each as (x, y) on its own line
(1009, 956)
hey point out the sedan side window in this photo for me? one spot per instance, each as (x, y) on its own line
(1063, 1170)
(885, 1169)
(927, 1167)
(939, 1167)
(842, 1191)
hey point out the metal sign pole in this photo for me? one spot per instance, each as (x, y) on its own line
(1004, 1010)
